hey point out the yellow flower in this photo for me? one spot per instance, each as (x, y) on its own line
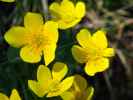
(79, 90)
(93, 51)
(51, 83)
(14, 96)
(8, 0)
(66, 14)
(35, 38)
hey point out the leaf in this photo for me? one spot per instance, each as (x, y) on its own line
(13, 54)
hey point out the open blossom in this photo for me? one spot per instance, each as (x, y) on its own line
(14, 96)
(79, 90)
(93, 51)
(51, 83)
(66, 14)
(35, 38)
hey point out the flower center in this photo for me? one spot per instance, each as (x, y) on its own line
(54, 86)
(39, 40)
(94, 54)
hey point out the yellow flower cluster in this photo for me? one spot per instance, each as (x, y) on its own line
(37, 39)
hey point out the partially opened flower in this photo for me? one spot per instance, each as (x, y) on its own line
(51, 83)
(8, 0)
(79, 90)
(93, 51)
(66, 13)
(14, 96)
(35, 38)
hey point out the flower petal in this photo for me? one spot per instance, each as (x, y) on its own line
(59, 71)
(30, 54)
(90, 92)
(16, 36)
(67, 7)
(51, 30)
(43, 74)
(92, 67)
(14, 95)
(80, 83)
(3, 97)
(33, 21)
(62, 87)
(80, 9)
(99, 39)
(79, 54)
(67, 96)
(39, 89)
(67, 24)
(108, 52)
(83, 38)
(54, 9)
(49, 53)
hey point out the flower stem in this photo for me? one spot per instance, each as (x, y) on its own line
(45, 8)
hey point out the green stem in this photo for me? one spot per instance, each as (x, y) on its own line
(45, 8)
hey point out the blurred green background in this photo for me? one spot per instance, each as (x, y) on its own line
(115, 16)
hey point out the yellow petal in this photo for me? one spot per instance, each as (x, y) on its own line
(15, 95)
(51, 31)
(108, 52)
(67, 24)
(30, 54)
(62, 87)
(8, 0)
(90, 92)
(67, 7)
(49, 53)
(3, 97)
(99, 39)
(33, 21)
(16, 36)
(79, 54)
(67, 96)
(54, 9)
(43, 74)
(80, 9)
(80, 83)
(59, 71)
(39, 89)
(83, 38)
(99, 65)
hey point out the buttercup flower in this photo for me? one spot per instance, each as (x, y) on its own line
(35, 38)
(14, 96)
(93, 51)
(66, 13)
(8, 0)
(79, 90)
(51, 83)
